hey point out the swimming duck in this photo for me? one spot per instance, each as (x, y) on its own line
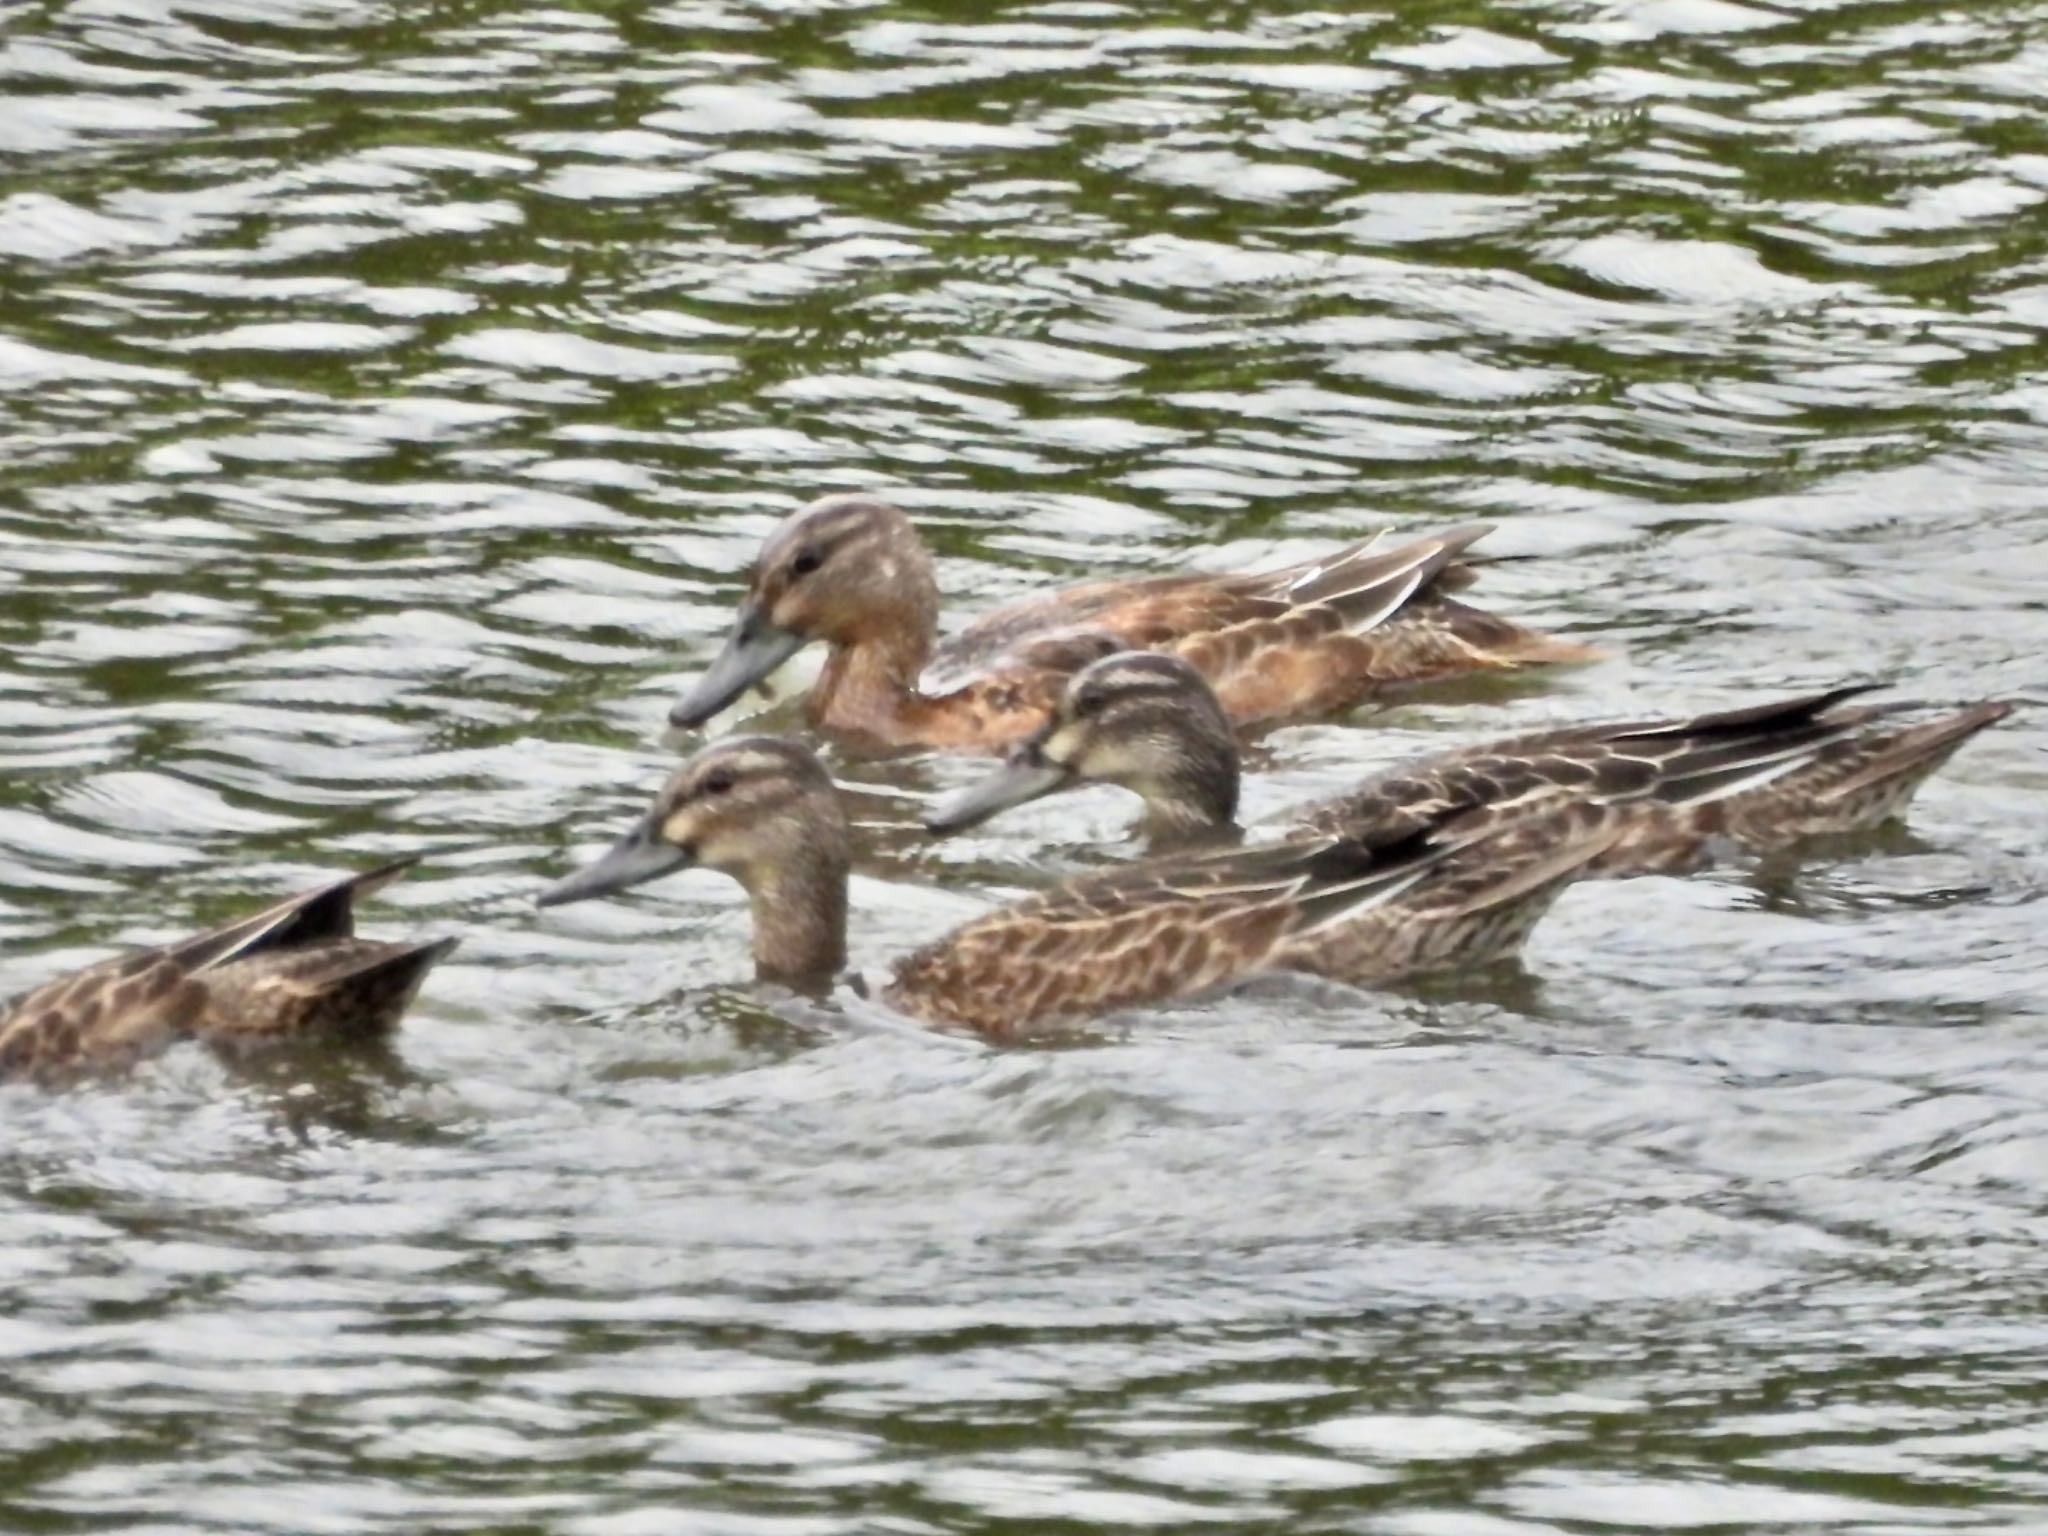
(1357, 909)
(1306, 639)
(292, 971)
(1757, 779)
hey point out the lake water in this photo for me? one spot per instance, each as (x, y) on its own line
(389, 399)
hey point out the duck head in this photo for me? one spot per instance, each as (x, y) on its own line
(1142, 720)
(848, 570)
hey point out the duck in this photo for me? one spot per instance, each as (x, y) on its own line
(1361, 910)
(1689, 791)
(294, 971)
(851, 571)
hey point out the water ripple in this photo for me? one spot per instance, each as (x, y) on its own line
(391, 404)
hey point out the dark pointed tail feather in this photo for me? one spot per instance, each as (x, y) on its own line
(1755, 718)
(363, 991)
(324, 912)
(1710, 756)
(384, 988)
(1730, 762)
(1916, 751)
(1785, 749)
(372, 957)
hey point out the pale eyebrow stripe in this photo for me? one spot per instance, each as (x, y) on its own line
(1146, 678)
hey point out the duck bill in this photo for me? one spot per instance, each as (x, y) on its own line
(1020, 779)
(633, 860)
(754, 649)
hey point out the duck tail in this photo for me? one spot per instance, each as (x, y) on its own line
(1497, 642)
(345, 989)
(1893, 765)
(1453, 901)
(367, 993)
(312, 916)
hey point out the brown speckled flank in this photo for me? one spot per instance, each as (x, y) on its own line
(1757, 779)
(1347, 909)
(1307, 639)
(294, 971)
(1356, 909)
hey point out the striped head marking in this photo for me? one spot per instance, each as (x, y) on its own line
(1146, 721)
(751, 807)
(747, 801)
(845, 569)
(842, 567)
(1143, 721)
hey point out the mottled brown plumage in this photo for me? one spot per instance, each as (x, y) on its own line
(1355, 909)
(1351, 910)
(852, 572)
(294, 971)
(1756, 779)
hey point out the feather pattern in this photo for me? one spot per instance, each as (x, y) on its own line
(1304, 639)
(1758, 778)
(1347, 908)
(1355, 907)
(293, 970)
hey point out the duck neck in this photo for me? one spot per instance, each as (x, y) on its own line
(870, 679)
(799, 908)
(1194, 804)
(1181, 825)
(867, 683)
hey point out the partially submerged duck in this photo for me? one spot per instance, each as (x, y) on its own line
(1758, 779)
(1355, 909)
(295, 971)
(1307, 639)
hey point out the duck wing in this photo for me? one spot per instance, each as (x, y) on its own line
(1354, 590)
(1172, 927)
(1674, 763)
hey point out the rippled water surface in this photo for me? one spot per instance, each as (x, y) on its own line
(389, 398)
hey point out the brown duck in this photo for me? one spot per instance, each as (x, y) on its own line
(1303, 640)
(1355, 909)
(294, 971)
(1756, 779)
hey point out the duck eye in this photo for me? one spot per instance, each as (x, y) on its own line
(1087, 704)
(806, 561)
(717, 784)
